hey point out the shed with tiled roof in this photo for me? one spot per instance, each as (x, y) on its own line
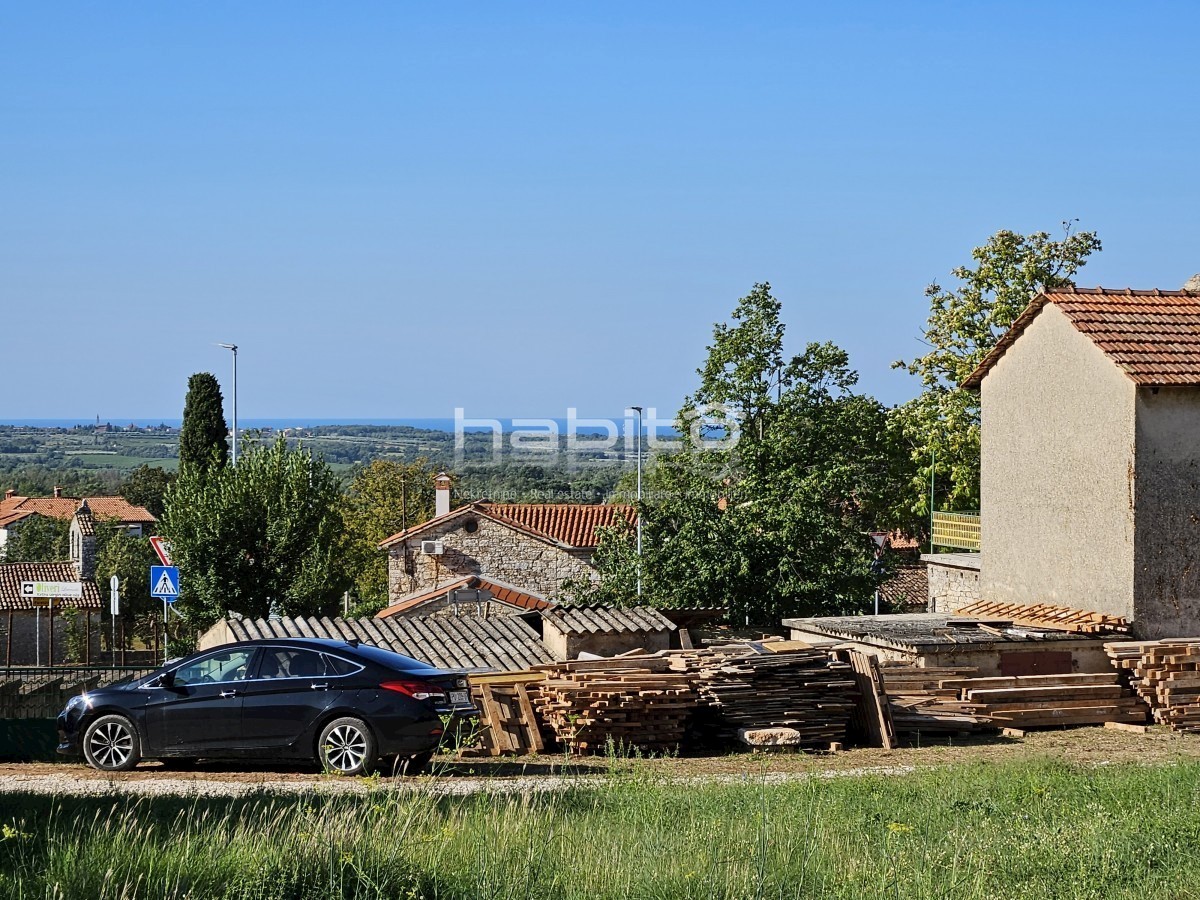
(1090, 465)
(601, 630)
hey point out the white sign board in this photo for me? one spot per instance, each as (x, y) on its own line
(43, 590)
(114, 596)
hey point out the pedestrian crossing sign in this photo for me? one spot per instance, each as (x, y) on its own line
(164, 582)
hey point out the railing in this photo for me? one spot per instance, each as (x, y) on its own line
(957, 530)
(40, 692)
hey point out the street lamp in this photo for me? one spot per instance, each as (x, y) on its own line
(233, 347)
(638, 451)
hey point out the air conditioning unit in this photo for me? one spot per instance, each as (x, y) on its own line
(433, 548)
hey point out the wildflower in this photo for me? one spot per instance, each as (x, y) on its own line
(899, 827)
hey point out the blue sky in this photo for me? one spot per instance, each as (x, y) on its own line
(399, 208)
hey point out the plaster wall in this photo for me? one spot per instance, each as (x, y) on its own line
(1057, 483)
(1167, 543)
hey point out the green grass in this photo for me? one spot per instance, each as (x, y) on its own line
(1031, 830)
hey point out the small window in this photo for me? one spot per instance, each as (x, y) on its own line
(280, 663)
(471, 526)
(340, 666)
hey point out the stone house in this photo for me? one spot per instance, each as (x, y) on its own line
(41, 631)
(471, 595)
(529, 547)
(1090, 479)
(15, 509)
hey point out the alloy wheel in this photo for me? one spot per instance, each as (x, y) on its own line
(111, 744)
(345, 748)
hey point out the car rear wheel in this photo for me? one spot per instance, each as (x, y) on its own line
(111, 744)
(414, 765)
(347, 747)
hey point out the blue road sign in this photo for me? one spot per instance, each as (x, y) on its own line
(164, 582)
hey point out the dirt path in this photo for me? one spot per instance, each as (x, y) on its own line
(453, 775)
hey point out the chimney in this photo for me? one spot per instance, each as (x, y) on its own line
(441, 493)
(83, 542)
(57, 492)
(1193, 284)
(8, 495)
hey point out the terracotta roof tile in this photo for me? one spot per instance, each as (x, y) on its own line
(502, 591)
(12, 574)
(571, 524)
(1153, 336)
(907, 586)
(16, 508)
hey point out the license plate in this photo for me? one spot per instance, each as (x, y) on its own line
(460, 698)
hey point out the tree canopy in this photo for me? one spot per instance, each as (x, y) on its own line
(965, 322)
(775, 522)
(383, 498)
(203, 435)
(257, 538)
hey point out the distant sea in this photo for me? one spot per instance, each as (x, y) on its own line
(585, 425)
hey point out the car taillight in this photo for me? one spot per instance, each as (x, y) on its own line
(418, 690)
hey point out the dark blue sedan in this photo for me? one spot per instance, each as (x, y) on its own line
(341, 704)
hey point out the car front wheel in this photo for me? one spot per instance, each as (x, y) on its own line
(347, 747)
(111, 744)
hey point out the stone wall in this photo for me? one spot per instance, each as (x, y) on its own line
(31, 627)
(953, 580)
(492, 550)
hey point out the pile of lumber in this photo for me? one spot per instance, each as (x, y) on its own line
(1166, 675)
(918, 704)
(798, 688)
(631, 701)
(1032, 701)
(506, 724)
(1045, 615)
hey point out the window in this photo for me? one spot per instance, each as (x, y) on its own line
(341, 666)
(228, 665)
(280, 663)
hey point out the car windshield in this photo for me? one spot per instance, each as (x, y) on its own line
(228, 665)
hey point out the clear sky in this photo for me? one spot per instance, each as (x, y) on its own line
(400, 208)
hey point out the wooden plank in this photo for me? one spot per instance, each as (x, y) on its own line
(1126, 726)
(1086, 691)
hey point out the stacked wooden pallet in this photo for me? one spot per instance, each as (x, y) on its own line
(1046, 615)
(1166, 676)
(803, 689)
(1032, 701)
(631, 701)
(506, 724)
(918, 704)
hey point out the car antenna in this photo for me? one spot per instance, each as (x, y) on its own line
(353, 642)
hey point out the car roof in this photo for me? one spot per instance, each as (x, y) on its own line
(370, 651)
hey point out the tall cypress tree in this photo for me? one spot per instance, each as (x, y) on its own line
(202, 438)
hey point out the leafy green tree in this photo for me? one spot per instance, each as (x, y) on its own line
(129, 558)
(147, 486)
(772, 523)
(203, 436)
(383, 498)
(38, 539)
(965, 322)
(257, 538)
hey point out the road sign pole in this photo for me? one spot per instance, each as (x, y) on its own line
(164, 631)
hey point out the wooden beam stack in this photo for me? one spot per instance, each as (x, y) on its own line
(918, 704)
(507, 724)
(1032, 701)
(632, 701)
(803, 689)
(1166, 676)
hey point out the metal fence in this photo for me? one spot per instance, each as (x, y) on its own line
(957, 530)
(42, 692)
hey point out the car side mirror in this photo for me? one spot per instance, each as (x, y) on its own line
(165, 680)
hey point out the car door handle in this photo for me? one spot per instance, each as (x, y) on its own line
(320, 687)
(228, 694)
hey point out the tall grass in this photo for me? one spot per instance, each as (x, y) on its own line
(1024, 830)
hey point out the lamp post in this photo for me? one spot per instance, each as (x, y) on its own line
(638, 450)
(233, 347)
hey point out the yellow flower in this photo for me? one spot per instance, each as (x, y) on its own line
(899, 827)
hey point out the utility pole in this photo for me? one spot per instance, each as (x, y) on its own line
(638, 451)
(233, 347)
